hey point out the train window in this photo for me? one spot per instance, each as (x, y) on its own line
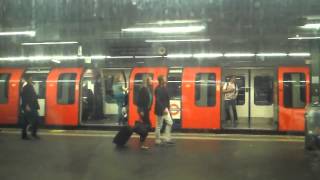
(174, 85)
(4, 86)
(66, 88)
(138, 83)
(205, 89)
(294, 90)
(263, 90)
(240, 81)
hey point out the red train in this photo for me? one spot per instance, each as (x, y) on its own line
(270, 98)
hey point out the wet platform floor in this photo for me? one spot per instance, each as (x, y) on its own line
(65, 155)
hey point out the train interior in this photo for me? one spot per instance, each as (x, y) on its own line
(256, 102)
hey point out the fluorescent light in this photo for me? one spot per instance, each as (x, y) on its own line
(239, 55)
(26, 33)
(56, 61)
(119, 57)
(183, 29)
(49, 43)
(13, 59)
(311, 26)
(299, 54)
(304, 38)
(98, 57)
(271, 54)
(179, 56)
(208, 55)
(173, 22)
(147, 57)
(178, 40)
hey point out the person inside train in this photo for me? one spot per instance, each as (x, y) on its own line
(98, 100)
(162, 111)
(30, 108)
(230, 91)
(119, 91)
(145, 98)
(87, 107)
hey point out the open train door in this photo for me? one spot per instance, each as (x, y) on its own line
(10, 94)
(294, 95)
(201, 97)
(62, 107)
(136, 78)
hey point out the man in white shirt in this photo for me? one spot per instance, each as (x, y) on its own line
(230, 91)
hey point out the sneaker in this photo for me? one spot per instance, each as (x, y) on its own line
(158, 142)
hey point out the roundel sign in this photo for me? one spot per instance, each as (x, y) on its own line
(175, 109)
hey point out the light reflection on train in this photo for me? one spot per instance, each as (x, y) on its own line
(270, 98)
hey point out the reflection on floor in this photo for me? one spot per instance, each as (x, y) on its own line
(256, 123)
(107, 121)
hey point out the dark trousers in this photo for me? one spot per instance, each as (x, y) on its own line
(31, 118)
(146, 121)
(231, 111)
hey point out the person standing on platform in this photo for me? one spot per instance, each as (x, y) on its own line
(30, 107)
(145, 98)
(162, 111)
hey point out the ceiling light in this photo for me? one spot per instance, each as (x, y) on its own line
(25, 33)
(271, 54)
(183, 29)
(239, 55)
(49, 43)
(179, 56)
(207, 55)
(305, 38)
(176, 40)
(299, 54)
(311, 26)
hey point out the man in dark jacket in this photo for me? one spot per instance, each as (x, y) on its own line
(30, 108)
(162, 111)
(145, 98)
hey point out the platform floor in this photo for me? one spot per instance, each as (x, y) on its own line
(90, 155)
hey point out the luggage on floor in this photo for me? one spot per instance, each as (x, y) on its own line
(123, 136)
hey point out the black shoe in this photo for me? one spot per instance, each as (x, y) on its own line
(25, 138)
(35, 136)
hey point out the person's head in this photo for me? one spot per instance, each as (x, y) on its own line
(147, 81)
(162, 80)
(233, 79)
(28, 78)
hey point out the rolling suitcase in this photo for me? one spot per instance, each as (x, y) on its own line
(123, 136)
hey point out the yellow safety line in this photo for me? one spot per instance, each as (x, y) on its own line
(256, 138)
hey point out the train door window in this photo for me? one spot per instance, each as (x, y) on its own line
(205, 89)
(240, 81)
(174, 83)
(4, 86)
(138, 80)
(66, 88)
(294, 90)
(263, 90)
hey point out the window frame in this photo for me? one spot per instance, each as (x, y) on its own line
(6, 85)
(198, 87)
(73, 77)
